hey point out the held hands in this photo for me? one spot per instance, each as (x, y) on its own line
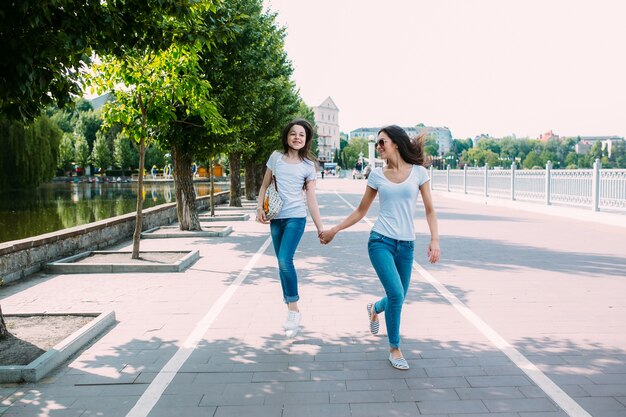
(326, 236)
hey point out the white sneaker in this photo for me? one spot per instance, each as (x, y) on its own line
(293, 320)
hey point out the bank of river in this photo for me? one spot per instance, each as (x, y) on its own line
(57, 206)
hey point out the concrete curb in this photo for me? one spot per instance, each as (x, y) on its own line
(69, 265)
(210, 231)
(45, 363)
(233, 217)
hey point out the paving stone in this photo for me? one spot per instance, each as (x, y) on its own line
(183, 411)
(376, 384)
(425, 394)
(384, 409)
(445, 382)
(316, 410)
(378, 396)
(449, 407)
(498, 381)
(297, 398)
(315, 386)
(597, 404)
(489, 393)
(520, 405)
(249, 411)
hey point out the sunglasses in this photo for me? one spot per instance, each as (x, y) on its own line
(381, 143)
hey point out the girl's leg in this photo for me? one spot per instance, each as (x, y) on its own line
(292, 232)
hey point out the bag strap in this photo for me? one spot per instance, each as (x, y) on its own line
(274, 171)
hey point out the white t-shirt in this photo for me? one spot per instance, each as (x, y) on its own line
(397, 202)
(290, 179)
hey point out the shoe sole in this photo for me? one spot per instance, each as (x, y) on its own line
(374, 325)
(291, 333)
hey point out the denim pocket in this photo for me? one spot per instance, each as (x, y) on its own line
(376, 237)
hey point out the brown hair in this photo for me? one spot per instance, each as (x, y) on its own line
(411, 149)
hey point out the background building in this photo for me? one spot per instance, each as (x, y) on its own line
(327, 121)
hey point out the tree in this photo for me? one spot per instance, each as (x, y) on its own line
(81, 153)
(88, 125)
(122, 152)
(48, 41)
(356, 147)
(150, 88)
(101, 154)
(250, 76)
(30, 152)
(66, 153)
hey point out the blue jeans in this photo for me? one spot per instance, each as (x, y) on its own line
(393, 261)
(286, 234)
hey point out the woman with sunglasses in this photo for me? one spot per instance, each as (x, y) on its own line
(392, 239)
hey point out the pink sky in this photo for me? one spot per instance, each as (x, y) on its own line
(476, 66)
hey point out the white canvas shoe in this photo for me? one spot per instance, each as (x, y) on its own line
(293, 320)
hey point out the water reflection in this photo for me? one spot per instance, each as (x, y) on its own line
(58, 206)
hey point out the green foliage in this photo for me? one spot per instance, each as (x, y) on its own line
(351, 152)
(66, 152)
(431, 146)
(81, 152)
(29, 152)
(101, 154)
(87, 125)
(44, 43)
(123, 152)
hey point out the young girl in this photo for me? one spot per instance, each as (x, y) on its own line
(392, 239)
(294, 169)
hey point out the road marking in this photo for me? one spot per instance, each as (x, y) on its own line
(156, 388)
(567, 404)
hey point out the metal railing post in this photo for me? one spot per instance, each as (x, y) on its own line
(595, 186)
(486, 179)
(448, 178)
(465, 179)
(548, 169)
(513, 181)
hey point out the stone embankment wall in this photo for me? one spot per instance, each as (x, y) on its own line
(20, 258)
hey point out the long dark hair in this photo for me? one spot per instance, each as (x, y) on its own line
(304, 152)
(411, 149)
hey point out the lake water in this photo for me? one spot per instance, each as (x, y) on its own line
(57, 206)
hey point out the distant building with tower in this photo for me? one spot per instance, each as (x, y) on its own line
(327, 121)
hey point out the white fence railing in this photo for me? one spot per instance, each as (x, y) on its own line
(596, 188)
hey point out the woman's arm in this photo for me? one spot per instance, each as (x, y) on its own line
(311, 201)
(260, 213)
(434, 251)
(366, 201)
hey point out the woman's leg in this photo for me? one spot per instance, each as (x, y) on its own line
(381, 254)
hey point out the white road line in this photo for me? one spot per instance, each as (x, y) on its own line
(567, 404)
(154, 391)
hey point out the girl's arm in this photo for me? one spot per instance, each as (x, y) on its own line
(434, 251)
(311, 201)
(366, 201)
(260, 214)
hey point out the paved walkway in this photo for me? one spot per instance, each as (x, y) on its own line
(525, 316)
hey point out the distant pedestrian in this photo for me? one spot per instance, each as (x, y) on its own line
(295, 173)
(392, 239)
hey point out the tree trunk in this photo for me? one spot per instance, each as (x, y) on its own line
(139, 215)
(259, 173)
(251, 184)
(235, 179)
(185, 193)
(212, 201)
(3, 327)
